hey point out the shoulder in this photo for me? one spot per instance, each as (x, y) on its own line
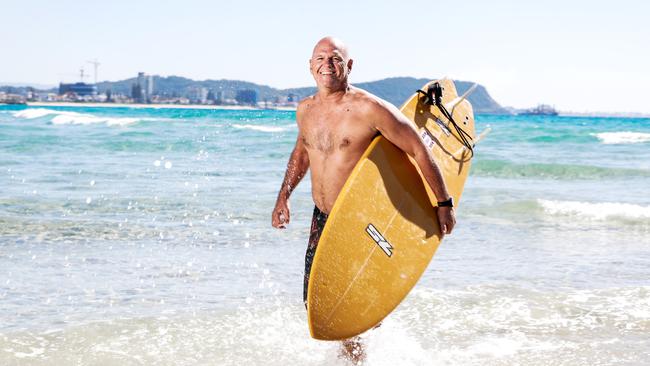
(305, 103)
(371, 104)
(303, 108)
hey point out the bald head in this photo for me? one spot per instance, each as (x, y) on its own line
(330, 64)
(331, 43)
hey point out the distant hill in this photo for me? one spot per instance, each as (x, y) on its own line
(20, 90)
(395, 90)
(27, 85)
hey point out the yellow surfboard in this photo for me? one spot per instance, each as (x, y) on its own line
(383, 231)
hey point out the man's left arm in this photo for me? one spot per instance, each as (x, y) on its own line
(400, 131)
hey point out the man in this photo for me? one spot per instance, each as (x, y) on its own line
(335, 126)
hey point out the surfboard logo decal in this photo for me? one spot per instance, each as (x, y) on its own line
(380, 240)
(443, 127)
(427, 138)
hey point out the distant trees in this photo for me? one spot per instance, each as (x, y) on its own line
(246, 96)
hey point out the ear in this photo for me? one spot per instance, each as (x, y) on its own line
(350, 62)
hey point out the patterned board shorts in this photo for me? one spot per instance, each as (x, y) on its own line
(317, 224)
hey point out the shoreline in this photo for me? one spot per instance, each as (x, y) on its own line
(155, 106)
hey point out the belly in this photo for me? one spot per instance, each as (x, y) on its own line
(328, 175)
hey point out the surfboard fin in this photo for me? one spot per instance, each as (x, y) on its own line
(455, 102)
(482, 134)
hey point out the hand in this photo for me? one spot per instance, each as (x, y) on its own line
(446, 219)
(281, 214)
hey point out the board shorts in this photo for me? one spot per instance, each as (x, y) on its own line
(318, 221)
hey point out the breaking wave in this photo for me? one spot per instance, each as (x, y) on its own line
(596, 211)
(74, 118)
(625, 137)
(263, 128)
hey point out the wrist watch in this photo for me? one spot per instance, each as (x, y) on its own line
(446, 203)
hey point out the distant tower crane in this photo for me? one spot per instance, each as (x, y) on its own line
(96, 64)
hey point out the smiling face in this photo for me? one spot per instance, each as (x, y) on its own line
(330, 64)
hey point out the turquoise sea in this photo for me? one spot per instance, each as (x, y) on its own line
(142, 237)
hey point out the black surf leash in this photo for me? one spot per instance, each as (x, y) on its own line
(433, 96)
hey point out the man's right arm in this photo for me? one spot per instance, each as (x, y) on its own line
(296, 169)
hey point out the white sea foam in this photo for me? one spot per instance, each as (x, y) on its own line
(596, 211)
(624, 137)
(483, 324)
(74, 118)
(32, 113)
(263, 128)
(512, 325)
(88, 119)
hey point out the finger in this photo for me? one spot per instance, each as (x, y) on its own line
(278, 225)
(283, 220)
(443, 229)
(276, 221)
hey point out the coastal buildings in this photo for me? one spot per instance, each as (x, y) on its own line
(198, 95)
(79, 89)
(142, 90)
(8, 98)
(540, 110)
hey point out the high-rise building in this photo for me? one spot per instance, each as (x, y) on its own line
(203, 95)
(142, 90)
(220, 97)
(149, 88)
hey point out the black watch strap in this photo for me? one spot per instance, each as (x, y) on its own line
(447, 203)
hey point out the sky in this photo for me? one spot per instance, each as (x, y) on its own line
(581, 56)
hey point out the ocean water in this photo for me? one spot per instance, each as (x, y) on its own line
(142, 236)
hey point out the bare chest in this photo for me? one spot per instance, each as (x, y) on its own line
(329, 133)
